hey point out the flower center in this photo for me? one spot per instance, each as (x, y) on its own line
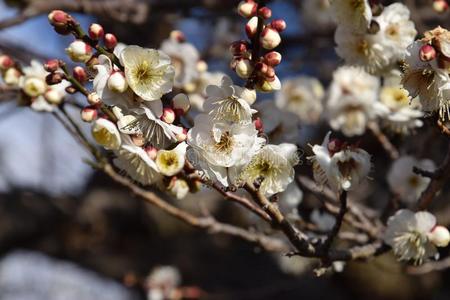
(225, 144)
(142, 72)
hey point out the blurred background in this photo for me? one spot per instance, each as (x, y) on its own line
(67, 232)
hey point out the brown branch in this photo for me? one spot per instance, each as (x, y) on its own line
(444, 129)
(384, 141)
(431, 266)
(338, 224)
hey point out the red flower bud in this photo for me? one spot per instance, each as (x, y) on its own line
(440, 6)
(259, 125)
(6, 62)
(272, 58)
(96, 31)
(278, 24)
(89, 114)
(168, 115)
(110, 41)
(79, 73)
(247, 8)
(52, 65)
(238, 47)
(265, 12)
(59, 18)
(54, 78)
(427, 53)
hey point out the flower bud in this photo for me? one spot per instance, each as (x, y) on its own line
(54, 78)
(181, 104)
(168, 115)
(54, 96)
(238, 47)
(79, 73)
(270, 85)
(71, 89)
(261, 67)
(334, 146)
(59, 18)
(244, 68)
(202, 66)
(439, 236)
(96, 31)
(93, 99)
(259, 125)
(265, 12)
(79, 51)
(440, 6)
(247, 8)
(12, 76)
(52, 65)
(270, 73)
(427, 53)
(89, 114)
(6, 62)
(152, 152)
(272, 58)
(178, 188)
(117, 82)
(270, 38)
(181, 136)
(110, 41)
(34, 86)
(138, 140)
(251, 27)
(177, 36)
(278, 24)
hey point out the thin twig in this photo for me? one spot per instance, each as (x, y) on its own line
(338, 224)
(384, 141)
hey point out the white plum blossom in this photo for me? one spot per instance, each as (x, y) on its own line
(404, 182)
(352, 100)
(184, 57)
(302, 96)
(162, 282)
(228, 102)
(354, 15)
(171, 162)
(342, 167)
(415, 236)
(220, 148)
(149, 72)
(197, 90)
(106, 134)
(273, 167)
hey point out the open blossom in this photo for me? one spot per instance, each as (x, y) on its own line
(352, 100)
(415, 236)
(184, 57)
(149, 72)
(229, 102)
(429, 79)
(34, 86)
(354, 15)
(217, 146)
(273, 166)
(379, 51)
(136, 163)
(342, 167)
(404, 182)
(170, 162)
(106, 134)
(302, 96)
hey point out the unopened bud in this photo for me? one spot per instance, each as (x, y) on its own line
(181, 104)
(110, 41)
(96, 31)
(12, 77)
(238, 47)
(439, 236)
(278, 24)
(71, 89)
(93, 99)
(265, 12)
(202, 66)
(34, 86)
(152, 152)
(79, 73)
(259, 125)
(247, 8)
(117, 82)
(52, 65)
(244, 68)
(54, 78)
(270, 38)
(6, 62)
(138, 140)
(177, 36)
(89, 114)
(427, 53)
(261, 67)
(54, 96)
(251, 27)
(270, 73)
(168, 115)
(273, 58)
(271, 85)
(79, 51)
(58, 18)
(181, 136)
(440, 6)
(334, 145)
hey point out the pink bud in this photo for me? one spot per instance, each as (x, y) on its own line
(261, 67)
(270, 38)
(93, 99)
(110, 41)
(334, 145)
(272, 58)
(244, 68)
(53, 96)
(181, 104)
(168, 115)
(251, 27)
(58, 18)
(117, 82)
(96, 31)
(6, 62)
(79, 51)
(238, 47)
(89, 114)
(270, 73)
(440, 6)
(247, 8)
(265, 12)
(54, 78)
(259, 125)
(152, 152)
(178, 36)
(182, 136)
(12, 76)
(427, 53)
(278, 24)
(79, 73)
(52, 65)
